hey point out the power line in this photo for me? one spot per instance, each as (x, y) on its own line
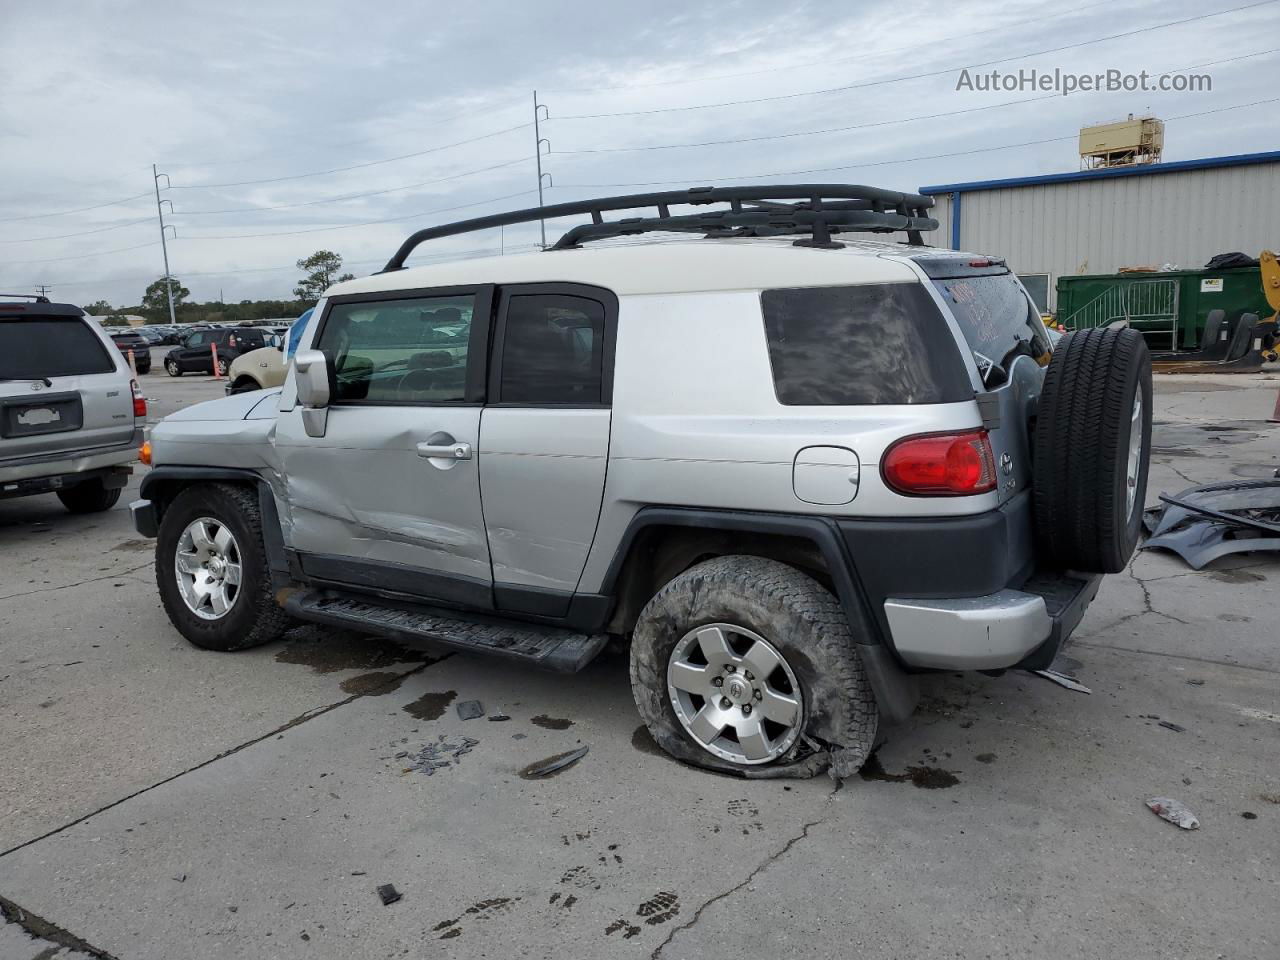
(85, 256)
(875, 123)
(827, 62)
(365, 223)
(915, 76)
(82, 233)
(341, 143)
(63, 213)
(357, 196)
(360, 166)
(881, 163)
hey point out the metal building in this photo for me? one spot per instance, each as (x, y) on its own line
(1097, 221)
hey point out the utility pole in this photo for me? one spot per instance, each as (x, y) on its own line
(164, 246)
(538, 141)
(42, 289)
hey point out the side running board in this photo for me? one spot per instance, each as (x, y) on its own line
(547, 648)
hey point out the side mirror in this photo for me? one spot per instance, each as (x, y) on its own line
(313, 380)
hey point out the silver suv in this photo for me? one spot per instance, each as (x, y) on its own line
(71, 414)
(791, 471)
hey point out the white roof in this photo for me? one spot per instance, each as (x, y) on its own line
(666, 266)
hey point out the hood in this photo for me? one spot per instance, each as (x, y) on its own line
(238, 406)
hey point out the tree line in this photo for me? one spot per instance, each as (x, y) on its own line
(322, 269)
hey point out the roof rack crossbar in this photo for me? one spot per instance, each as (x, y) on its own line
(37, 297)
(814, 208)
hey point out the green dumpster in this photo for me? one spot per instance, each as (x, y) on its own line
(1167, 307)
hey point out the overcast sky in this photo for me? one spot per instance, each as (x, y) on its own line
(93, 93)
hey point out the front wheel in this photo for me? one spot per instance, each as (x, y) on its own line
(172, 369)
(212, 572)
(746, 665)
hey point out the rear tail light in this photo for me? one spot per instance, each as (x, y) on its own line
(139, 401)
(941, 464)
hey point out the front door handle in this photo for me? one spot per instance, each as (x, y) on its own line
(446, 447)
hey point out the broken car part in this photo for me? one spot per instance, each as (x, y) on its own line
(1210, 521)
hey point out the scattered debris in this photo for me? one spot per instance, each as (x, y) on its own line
(1170, 725)
(469, 709)
(1195, 681)
(181, 879)
(1186, 781)
(551, 723)
(553, 765)
(986, 758)
(518, 736)
(1249, 815)
(1174, 811)
(438, 755)
(1062, 680)
(498, 718)
(927, 778)
(1210, 521)
(357, 873)
(389, 894)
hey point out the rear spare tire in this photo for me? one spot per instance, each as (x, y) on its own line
(1092, 443)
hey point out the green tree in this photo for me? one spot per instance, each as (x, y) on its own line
(322, 272)
(155, 303)
(115, 320)
(99, 308)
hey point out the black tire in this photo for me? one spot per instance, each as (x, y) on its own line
(172, 368)
(806, 625)
(89, 497)
(245, 385)
(254, 618)
(1082, 444)
(223, 366)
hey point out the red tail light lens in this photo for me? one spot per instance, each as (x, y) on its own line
(139, 401)
(941, 465)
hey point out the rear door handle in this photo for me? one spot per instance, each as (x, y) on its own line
(448, 449)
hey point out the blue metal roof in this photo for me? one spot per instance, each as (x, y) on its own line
(1140, 170)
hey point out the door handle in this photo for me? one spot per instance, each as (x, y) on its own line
(450, 449)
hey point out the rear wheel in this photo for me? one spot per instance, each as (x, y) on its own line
(222, 367)
(212, 572)
(1092, 446)
(90, 496)
(746, 665)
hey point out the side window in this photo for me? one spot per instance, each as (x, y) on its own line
(553, 350)
(195, 339)
(399, 351)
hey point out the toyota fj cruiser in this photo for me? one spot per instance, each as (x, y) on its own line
(791, 468)
(71, 414)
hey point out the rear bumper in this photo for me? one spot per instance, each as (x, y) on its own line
(68, 463)
(1008, 628)
(112, 478)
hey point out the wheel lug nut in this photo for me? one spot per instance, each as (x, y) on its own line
(759, 695)
(725, 703)
(717, 681)
(746, 709)
(747, 674)
(730, 668)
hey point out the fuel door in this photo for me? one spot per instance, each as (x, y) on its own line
(827, 475)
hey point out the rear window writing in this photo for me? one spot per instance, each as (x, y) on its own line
(997, 319)
(35, 347)
(867, 344)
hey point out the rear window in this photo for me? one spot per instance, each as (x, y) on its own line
(867, 344)
(34, 347)
(997, 319)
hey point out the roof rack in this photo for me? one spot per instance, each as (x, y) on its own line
(760, 210)
(38, 298)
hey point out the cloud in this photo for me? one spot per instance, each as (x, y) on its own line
(238, 92)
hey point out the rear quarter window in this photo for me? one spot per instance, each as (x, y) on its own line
(998, 320)
(35, 347)
(881, 343)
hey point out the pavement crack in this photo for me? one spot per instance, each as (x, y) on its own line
(42, 929)
(1174, 656)
(300, 719)
(79, 583)
(697, 914)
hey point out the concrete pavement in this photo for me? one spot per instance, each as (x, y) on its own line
(161, 801)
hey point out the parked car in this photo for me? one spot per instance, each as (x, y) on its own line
(71, 414)
(194, 354)
(790, 470)
(261, 369)
(132, 339)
